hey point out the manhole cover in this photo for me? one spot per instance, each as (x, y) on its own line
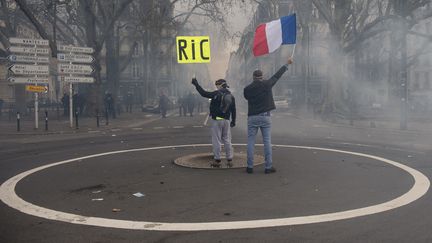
(204, 160)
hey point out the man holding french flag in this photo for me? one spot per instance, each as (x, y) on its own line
(268, 37)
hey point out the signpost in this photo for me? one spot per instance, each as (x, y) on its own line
(29, 69)
(75, 69)
(72, 54)
(67, 79)
(30, 51)
(31, 42)
(28, 80)
(29, 59)
(35, 88)
(75, 49)
(82, 58)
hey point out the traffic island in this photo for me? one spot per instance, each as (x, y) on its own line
(205, 160)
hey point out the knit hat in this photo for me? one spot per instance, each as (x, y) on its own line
(221, 82)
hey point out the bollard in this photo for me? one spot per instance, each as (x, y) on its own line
(18, 122)
(46, 120)
(58, 112)
(76, 120)
(97, 117)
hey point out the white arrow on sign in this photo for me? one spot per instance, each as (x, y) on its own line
(23, 80)
(32, 59)
(79, 49)
(29, 69)
(74, 69)
(75, 58)
(38, 42)
(76, 79)
(44, 51)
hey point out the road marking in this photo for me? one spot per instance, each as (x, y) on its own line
(10, 198)
(197, 126)
(178, 127)
(206, 120)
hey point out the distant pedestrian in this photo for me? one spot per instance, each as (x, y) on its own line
(190, 103)
(260, 102)
(65, 103)
(199, 105)
(163, 104)
(1, 106)
(109, 104)
(129, 102)
(222, 108)
(182, 106)
(75, 102)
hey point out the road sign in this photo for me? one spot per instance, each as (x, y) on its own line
(31, 59)
(38, 42)
(29, 80)
(75, 69)
(42, 51)
(75, 58)
(34, 88)
(79, 49)
(193, 49)
(29, 69)
(76, 79)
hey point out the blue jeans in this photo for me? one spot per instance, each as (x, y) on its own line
(262, 122)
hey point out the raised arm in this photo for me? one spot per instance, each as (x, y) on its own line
(273, 80)
(201, 91)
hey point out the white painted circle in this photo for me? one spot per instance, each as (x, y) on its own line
(9, 197)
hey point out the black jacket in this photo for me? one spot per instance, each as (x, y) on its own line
(259, 94)
(215, 103)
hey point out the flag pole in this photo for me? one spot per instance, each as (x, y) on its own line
(292, 54)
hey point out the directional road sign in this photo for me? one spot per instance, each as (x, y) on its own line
(34, 88)
(43, 51)
(29, 80)
(74, 69)
(38, 42)
(29, 69)
(31, 59)
(75, 58)
(76, 79)
(79, 49)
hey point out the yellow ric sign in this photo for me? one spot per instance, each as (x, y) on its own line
(193, 49)
(34, 88)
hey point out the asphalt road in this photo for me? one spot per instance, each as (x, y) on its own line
(308, 182)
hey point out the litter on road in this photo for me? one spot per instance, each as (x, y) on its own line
(138, 194)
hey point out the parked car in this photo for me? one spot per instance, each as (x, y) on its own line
(282, 102)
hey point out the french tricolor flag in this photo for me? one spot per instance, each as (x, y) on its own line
(270, 36)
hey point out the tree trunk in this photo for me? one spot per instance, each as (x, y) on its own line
(112, 63)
